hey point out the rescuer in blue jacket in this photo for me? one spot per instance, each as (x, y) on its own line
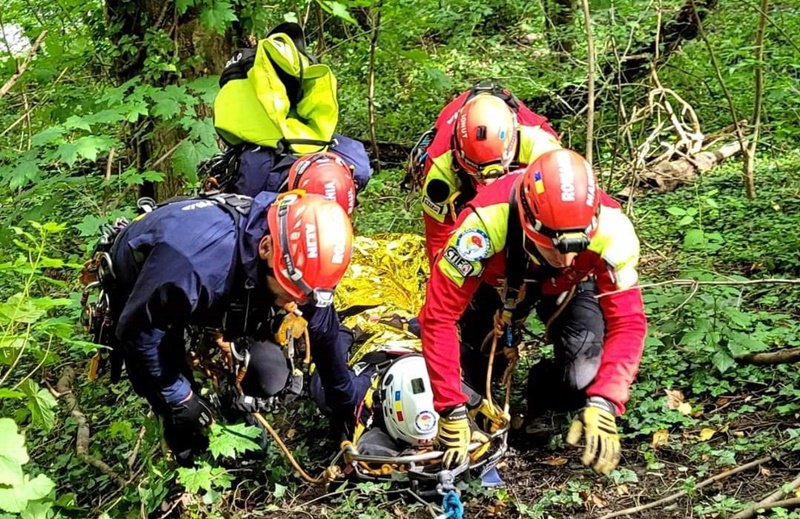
(192, 262)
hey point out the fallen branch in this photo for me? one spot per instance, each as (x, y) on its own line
(24, 65)
(83, 436)
(771, 501)
(696, 282)
(773, 357)
(375, 23)
(682, 493)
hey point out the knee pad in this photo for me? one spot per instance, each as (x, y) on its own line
(583, 352)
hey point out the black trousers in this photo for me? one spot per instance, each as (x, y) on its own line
(576, 333)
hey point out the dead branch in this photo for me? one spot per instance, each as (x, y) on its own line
(373, 43)
(587, 19)
(136, 447)
(773, 357)
(83, 436)
(773, 499)
(678, 495)
(22, 66)
(696, 282)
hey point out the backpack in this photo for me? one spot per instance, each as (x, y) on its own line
(277, 96)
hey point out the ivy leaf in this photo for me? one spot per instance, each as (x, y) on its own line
(204, 477)
(217, 16)
(16, 498)
(230, 440)
(41, 404)
(12, 453)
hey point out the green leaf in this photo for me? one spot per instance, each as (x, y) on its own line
(41, 404)
(107, 116)
(48, 136)
(67, 152)
(183, 5)
(230, 440)
(10, 393)
(77, 122)
(338, 10)
(26, 172)
(167, 101)
(204, 477)
(280, 491)
(16, 498)
(694, 239)
(90, 225)
(12, 453)
(676, 211)
(89, 146)
(722, 361)
(217, 16)
(38, 510)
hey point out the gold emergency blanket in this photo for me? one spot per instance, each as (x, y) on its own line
(386, 278)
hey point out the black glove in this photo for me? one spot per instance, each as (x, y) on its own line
(193, 413)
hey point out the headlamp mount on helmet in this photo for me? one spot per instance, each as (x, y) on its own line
(564, 240)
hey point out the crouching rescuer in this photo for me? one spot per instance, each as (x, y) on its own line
(545, 240)
(227, 263)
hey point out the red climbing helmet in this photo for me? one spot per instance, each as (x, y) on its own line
(312, 243)
(325, 174)
(485, 137)
(558, 201)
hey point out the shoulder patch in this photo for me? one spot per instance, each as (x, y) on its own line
(462, 265)
(473, 245)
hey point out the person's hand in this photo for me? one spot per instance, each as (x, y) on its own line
(454, 436)
(193, 412)
(597, 423)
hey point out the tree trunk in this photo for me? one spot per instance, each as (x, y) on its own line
(197, 51)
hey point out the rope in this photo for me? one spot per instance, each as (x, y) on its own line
(327, 475)
(452, 506)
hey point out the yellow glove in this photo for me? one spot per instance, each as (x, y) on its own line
(292, 324)
(489, 417)
(596, 421)
(454, 436)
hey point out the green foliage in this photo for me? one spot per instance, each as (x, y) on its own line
(232, 440)
(19, 492)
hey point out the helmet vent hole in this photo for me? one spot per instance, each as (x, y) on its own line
(481, 133)
(388, 379)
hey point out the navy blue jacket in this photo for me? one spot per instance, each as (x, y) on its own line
(261, 169)
(181, 264)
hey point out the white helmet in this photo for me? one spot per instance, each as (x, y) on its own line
(407, 401)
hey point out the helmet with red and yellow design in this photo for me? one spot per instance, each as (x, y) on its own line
(312, 243)
(485, 137)
(325, 174)
(558, 201)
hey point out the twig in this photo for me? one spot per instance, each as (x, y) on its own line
(772, 357)
(136, 447)
(771, 501)
(373, 43)
(166, 155)
(28, 113)
(24, 65)
(83, 436)
(109, 164)
(697, 282)
(590, 62)
(678, 495)
(750, 153)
